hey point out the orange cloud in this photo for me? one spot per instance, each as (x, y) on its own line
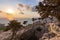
(10, 17)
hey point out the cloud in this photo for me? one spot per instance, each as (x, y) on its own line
(24, 7)
(5, 15)
(28, 10)
(40, 0)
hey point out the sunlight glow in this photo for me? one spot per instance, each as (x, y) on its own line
(9, 11)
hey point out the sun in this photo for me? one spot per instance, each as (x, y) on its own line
(9, 11)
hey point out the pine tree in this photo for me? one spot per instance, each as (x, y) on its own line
(14, 26)
(49, 7)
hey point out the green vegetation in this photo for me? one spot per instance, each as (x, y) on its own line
(14, 25)
(3, 28)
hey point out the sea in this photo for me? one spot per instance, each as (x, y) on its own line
(29, 20)
(6, 21)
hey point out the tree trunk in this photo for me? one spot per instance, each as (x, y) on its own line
(13, 35)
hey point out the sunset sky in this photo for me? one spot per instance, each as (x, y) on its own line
(11, 6)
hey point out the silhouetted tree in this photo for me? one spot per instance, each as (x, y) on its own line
(15, 26)
(49, 7)
(25, 22)
(33, 19)
(39, 19)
